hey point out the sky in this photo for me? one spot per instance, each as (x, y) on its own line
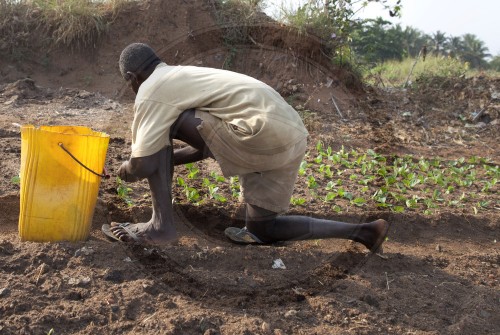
(453, 17)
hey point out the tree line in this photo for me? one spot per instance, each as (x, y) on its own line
(373, 41)
(377, 40)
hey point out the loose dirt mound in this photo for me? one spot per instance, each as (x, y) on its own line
(439, 274)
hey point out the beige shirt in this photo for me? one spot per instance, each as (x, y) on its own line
(254, 114)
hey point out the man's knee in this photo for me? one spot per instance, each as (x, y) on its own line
(185, 129)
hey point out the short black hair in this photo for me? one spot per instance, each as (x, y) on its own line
(135, 58)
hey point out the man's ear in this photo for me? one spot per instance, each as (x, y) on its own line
(132, 77)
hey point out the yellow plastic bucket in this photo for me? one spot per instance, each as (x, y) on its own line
(60, 178)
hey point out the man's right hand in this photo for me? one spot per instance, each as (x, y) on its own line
(125, 175)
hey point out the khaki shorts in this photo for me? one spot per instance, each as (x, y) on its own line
(266, 181)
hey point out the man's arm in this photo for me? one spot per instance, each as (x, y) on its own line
(189, 154)
(142, 167)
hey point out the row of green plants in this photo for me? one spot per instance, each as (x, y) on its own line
(212, 187)
(354, 178)
(195, 188)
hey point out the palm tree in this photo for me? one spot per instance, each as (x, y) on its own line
(438, 40)
(454, 46)
(494, 63)
(375, 41)
(475, 52)
(413, 40)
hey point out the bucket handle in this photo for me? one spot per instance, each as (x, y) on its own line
(102, 175)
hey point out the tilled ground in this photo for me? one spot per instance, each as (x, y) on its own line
(438, 275)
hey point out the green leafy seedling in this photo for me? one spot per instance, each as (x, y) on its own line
(235, 187)
(358, 201)
(193, 170)
(192, 194)
(123, 192)
(297, 201)
(16, 180)
(311, 182)
(326, 170)
(217, 178)
(302, 169)
(398, 209)
(212, 193)
(330, 196)
(337, 209)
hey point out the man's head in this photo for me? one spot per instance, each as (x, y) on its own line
(137, 61)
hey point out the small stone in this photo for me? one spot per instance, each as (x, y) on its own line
(291, 313)
(79, 281)
(4, 292)
(266, 328)
(85, 280)
(13, 99)
(439, 248)
(481, 124)
(114, 276)
(495, 95)
(370, 300)
(73, 281)
(84, 251)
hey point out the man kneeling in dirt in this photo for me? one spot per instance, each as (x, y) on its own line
(245, 125)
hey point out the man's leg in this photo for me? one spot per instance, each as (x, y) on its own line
(269, 227)
(160, 229)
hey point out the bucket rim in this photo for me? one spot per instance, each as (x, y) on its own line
(51, 129)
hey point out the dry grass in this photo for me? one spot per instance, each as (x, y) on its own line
(238, 11)
(53, 23)
(236, 16)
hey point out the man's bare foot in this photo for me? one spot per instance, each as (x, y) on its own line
(373, 234)
(144, 233)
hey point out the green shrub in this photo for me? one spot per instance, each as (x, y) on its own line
(397, 73)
